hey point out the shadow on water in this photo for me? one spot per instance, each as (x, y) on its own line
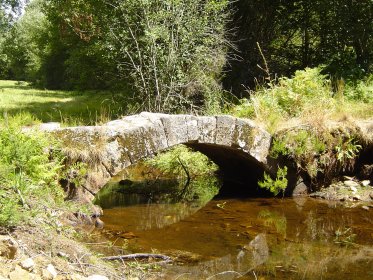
(241, 238)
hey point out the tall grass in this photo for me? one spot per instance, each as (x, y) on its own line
(307, 97)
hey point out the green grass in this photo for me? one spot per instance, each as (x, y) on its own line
(69, 107)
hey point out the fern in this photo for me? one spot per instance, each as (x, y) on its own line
(275, 186)
(28, 174)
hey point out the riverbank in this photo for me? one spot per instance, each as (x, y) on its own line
(62, 253)
(36, 253)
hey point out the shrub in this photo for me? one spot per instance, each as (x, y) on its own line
(294, 94)
(173, 51)
(181, 161)
(307, 93)
(347, 150)
(298, 143)
(360, 91)
(28, 173)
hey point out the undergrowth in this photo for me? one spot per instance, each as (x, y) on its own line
(29, 173)
(320, 154)
(307, 97)
(278, 185)
(302, 113)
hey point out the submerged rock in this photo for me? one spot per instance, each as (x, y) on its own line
(259, 249)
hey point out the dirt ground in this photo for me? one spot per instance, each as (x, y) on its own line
(34, 253)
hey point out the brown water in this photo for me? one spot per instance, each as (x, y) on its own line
(261, 238)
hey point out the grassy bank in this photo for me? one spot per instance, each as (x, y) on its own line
(69, 107)
(307, 98)
(318, 125)
(37, 224)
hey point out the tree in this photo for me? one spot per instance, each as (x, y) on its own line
(173, 51)
(78, 56)
(298, 34)
(170, 53)
(24, 44)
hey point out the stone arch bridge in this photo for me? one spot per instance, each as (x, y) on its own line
(238, 146)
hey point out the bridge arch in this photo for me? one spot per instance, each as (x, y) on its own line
(238, 146)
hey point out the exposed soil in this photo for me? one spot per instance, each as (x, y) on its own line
(36, 253)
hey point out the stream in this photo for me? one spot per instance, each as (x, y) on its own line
(244, 238)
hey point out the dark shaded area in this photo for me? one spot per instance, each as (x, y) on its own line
(364, 164)
(239, 171)
(252, 22)
(296, 34)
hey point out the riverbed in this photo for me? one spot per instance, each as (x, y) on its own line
(248, 238)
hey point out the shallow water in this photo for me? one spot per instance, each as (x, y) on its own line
(257, 238)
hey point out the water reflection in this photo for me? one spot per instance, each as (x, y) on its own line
(260, 238)
(273, 238)
(229, 266)
(158, 202)
(148, 216)
(274, 219)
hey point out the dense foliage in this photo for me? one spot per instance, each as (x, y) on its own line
(28, 174)
(169, 53)
(181, 162)
(296, 34)
(173, 54)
